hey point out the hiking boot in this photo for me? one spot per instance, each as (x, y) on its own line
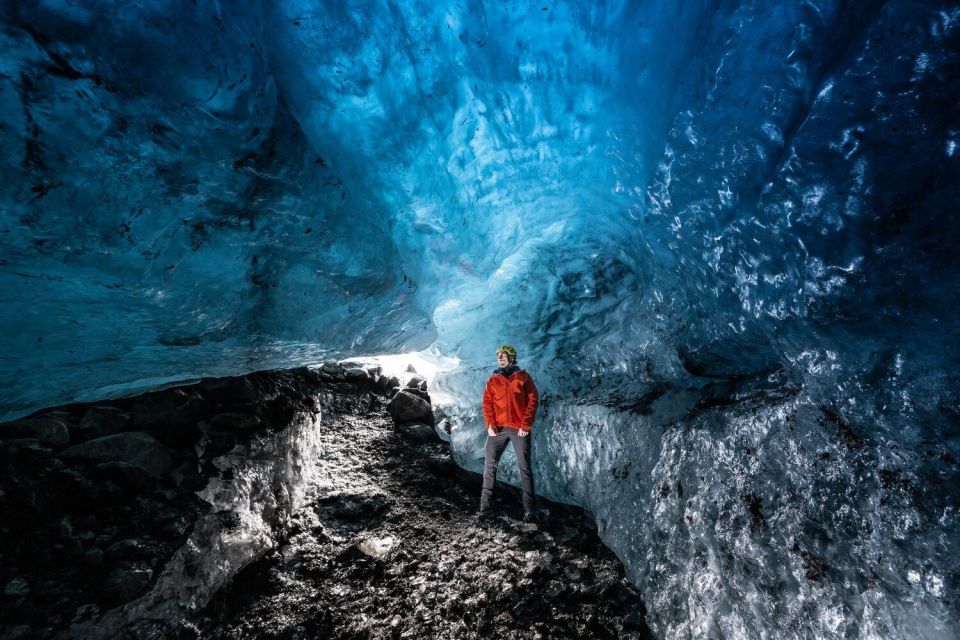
(484, 515)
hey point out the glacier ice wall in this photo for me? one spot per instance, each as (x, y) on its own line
(723, 236)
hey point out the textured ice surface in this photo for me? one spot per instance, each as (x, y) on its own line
(723, 236)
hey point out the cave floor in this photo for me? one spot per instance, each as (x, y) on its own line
(387, 548)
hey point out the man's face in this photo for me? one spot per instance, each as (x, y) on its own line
(503, 359)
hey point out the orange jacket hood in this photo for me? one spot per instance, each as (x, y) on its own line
(510, 401)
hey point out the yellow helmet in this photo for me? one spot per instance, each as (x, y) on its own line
(510, 351)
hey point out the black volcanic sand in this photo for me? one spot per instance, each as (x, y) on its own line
(389, 549)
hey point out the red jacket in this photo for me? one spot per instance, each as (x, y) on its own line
(510, 401)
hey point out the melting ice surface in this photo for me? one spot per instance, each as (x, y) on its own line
(722, 235)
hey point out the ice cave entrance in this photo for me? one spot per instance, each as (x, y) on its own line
(427, 364)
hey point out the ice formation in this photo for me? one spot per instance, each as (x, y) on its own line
(723, 236)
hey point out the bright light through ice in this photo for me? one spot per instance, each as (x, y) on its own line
(427, 364)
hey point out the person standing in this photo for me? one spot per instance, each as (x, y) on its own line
(509, 408)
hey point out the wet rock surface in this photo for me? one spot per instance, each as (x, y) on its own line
(388, 548)
(409, 406)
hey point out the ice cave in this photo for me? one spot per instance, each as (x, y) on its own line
(723, 236)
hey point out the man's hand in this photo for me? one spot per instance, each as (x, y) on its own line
(522, 433)
(492, 431)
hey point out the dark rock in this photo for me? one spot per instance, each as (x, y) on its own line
(175, 526)
(387, 384)
(281, 410)
(420, 393)
(235, 421)
(407, 407)
(572, 573)
(16, 588)
(26, 448)
(180, 431)
(48, 430)
(102, 421)
(172, 407)
(93, 557)
(156, 409)
(130, 477)
(131, 447)
(350, 507)
(167, 495)
(229, 392)
(416, 382)
(217, 441)
(418, 432)
(128, 581)
(18, 632)
(332, 372)
(356, 375)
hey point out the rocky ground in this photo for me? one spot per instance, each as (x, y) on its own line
(124, 518)
(389, 549)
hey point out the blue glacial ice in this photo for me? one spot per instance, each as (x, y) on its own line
(722, 235)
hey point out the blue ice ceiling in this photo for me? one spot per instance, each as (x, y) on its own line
(212, 188)
(722, 234)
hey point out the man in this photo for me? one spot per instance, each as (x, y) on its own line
(509, 407)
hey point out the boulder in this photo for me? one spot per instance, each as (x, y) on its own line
(129, 477)
(420, 393)
(418, 432)
(332, 372)
(416, 382)
(407, 407)
(49, 431)
(356, 375)
(387, 384)
(354, 507)
(131, 447)
(102, 421)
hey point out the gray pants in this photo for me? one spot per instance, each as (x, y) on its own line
(492, 452)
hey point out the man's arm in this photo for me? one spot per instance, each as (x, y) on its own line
(533, 398)
(488, 416)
